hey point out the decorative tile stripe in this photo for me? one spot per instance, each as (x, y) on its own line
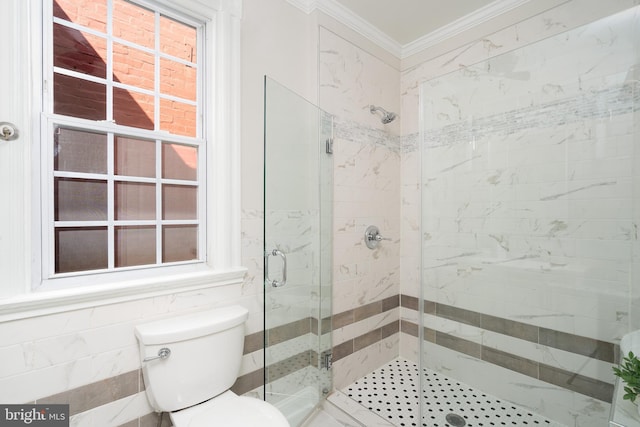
(288, 331)
(90, 396)
(353, 131)
(361, 313)
(577, 344)
(247, 382)
(358, 343)
(594, 104)
(291, 364)
(572, 343)
(612, 101)
(358, 314)
(100, 393)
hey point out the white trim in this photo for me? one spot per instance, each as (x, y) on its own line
(373, 33)
(465, 23)
(18, 297)
(51, 280)
(225, 158)
(307, 6)
(351, 20)
(44, 303)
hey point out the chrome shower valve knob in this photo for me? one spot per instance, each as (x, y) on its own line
(372, 237)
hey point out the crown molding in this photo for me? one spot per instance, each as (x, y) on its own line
(351, 20)
(465, 23)
(307, 6)
(373, 33)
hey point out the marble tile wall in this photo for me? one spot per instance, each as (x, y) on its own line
(89, 358)
(528, 205)
(557, 20)
(366, 164)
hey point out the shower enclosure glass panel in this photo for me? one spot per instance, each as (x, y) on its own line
(530, 202)
(297, 239)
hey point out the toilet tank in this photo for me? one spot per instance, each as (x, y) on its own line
(206, 352)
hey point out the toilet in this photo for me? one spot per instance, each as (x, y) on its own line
(190, 362)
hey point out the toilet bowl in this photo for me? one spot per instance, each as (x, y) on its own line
(189, 364)
(230, 410)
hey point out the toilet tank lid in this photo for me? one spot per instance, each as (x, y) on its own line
(191, 326)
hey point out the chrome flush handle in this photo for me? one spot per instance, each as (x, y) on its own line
(163, 353)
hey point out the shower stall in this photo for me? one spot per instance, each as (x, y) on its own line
(530, 189)
(528, 276)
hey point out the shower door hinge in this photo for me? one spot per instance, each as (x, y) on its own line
(327, 360)
(329, 146)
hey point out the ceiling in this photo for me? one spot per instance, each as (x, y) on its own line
(406, 21)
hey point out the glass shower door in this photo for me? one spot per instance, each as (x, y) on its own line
(297, 253)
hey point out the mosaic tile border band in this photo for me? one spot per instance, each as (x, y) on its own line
(592, 105)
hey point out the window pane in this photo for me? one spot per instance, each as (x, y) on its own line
(133, 23)
(80, 249)
(79, 98)
(135, 201)
(178, 118)
(178, 39)
(79, 151)
(179, 243)
(133, 109)
(179, 162)
(89, 13)
(179, 202)
(80, 200)
(177, 79)
(135, 246)
(78, 51)
(135, 157)
(133, 67)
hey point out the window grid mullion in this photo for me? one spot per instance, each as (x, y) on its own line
(156, 120)
(109, 82)
(111, 201)
(156, 70)
(159, 254)
(51, 218)
(112, 130)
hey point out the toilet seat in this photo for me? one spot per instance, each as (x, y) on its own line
(230, 410)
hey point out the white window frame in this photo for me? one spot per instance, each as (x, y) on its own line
(222, 260)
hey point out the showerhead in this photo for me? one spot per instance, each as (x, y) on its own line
(387, 116)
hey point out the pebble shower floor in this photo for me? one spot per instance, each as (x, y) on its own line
(392, 393)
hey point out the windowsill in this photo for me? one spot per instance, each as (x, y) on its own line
(59, 301)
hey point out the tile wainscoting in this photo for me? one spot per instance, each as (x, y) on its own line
(128, 388)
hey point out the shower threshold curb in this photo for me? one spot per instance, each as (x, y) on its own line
(357, 411)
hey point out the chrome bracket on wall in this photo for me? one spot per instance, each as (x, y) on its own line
(327, 360)
(329, 146)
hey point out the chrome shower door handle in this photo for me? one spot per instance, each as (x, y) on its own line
(275, 283)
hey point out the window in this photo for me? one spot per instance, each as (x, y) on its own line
(132, 126)
(124, 139)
